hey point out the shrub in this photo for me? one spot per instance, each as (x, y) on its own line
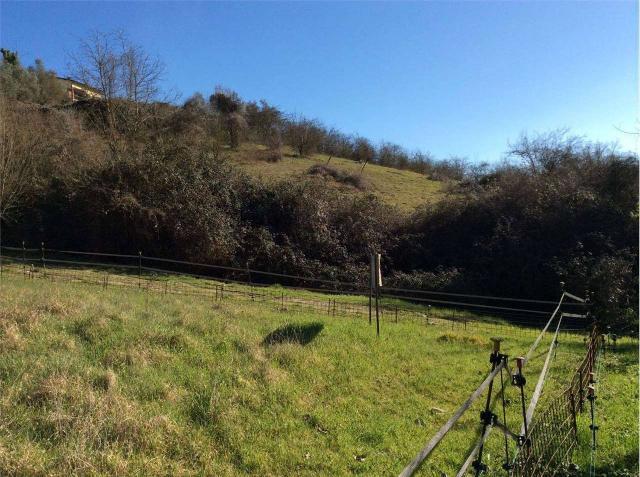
(323, 170)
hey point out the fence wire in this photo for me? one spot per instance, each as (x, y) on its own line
(554, 433)
(341, 301)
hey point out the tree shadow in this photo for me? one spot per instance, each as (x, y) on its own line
(293, 333)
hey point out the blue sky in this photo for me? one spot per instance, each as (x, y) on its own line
(450, 78)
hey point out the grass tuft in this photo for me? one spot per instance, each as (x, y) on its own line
(458, 338)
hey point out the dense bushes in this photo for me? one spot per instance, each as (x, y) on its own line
(181, 199)
(570, 216)
(322, 170)
(564, 211)
(35, 83)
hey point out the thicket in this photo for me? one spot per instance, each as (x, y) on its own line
(123, 176)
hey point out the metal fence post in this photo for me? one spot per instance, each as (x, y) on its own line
(24, 261)
(580, 390)
(42, 258)
(572, 401)
(519, 380)
(139, 268)
(592, 397)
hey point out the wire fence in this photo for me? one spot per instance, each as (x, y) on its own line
(543, 444)
(543, 447)
(554, 432)
(283, 292)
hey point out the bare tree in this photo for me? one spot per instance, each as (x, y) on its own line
(97, 63)
(18, 148)
(363, 151)
(304, 135)
(140, 73)
(125, 75)
(545, 152)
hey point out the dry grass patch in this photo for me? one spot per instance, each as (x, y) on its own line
(26, 318)
(452, 337)
(22, 458)
(10, 337)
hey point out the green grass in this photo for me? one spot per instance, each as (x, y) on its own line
(404, 189)
(121, 382)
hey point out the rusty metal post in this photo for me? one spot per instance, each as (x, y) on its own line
(574, 411)
(580, 390)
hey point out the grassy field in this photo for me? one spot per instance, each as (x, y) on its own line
(115, 381)
(404, 189)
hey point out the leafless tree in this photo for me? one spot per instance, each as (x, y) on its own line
(124, 73)
(364, 152)
(97, 63)
(18, 149)
(140, 73)
(304, 135)
(545, 152)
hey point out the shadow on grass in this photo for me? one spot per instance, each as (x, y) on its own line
(293, 333)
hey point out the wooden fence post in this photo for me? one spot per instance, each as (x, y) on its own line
(372, 268)
(24, 261)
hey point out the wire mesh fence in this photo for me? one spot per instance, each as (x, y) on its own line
(284, 292)
(554, 433)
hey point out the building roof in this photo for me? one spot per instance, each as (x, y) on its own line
(80, 85)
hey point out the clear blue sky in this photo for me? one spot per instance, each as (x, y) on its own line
(451, 78)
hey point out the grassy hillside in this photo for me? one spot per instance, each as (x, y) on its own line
(404, 189)
(121, 382)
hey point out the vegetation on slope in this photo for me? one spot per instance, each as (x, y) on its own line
(404, 189)
(117, 382)
(129, 173)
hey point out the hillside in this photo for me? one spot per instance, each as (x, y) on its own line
(118, 382)
(404, 189)
(183, 182)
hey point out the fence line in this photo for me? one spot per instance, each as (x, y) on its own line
(415, 294)
(554, 433)
(483, 297)
(547, 442)
(538, 444)
(219, 288)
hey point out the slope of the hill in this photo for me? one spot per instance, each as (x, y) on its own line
(402, 188)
